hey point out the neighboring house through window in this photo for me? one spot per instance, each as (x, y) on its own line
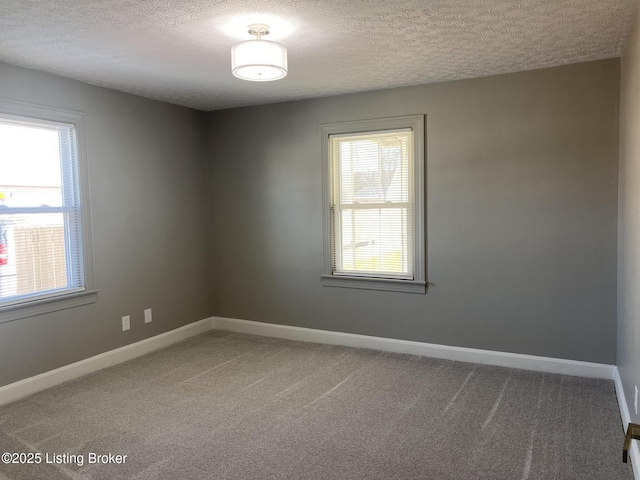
(373, 190)
(45, 248)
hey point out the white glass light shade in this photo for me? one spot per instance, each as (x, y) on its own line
(259, 60)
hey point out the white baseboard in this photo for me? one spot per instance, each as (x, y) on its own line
(28, 386)
(22, 388)
(634, 452)
(462, 354)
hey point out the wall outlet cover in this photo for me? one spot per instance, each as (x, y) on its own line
(147, 316)
(126, 323)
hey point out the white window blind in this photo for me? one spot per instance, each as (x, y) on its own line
(41, 249)
(372, 204)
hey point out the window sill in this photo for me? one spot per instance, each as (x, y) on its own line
(368, 283)
(9, 313)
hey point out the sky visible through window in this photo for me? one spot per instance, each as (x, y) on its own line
(29, 165)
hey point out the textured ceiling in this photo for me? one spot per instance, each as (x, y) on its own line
(179, 51)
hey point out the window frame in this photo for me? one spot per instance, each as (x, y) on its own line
(328, 278)
(59, 300)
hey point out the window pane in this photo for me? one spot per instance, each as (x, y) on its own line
(30, 165)
(36, 254)
(372, 168)
(375, 241)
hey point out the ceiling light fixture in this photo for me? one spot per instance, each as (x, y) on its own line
(259, 60)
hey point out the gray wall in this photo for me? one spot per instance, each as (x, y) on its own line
(521, 217)
(149, 214)
(521, 214)
(629, 221)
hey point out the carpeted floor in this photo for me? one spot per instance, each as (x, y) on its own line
(231, 406)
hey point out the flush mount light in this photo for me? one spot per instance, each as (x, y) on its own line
(259, 60)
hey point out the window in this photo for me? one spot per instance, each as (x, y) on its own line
(373, 192)
(45, 258)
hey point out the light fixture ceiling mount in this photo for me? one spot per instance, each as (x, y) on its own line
(258, 29)
(259, 60)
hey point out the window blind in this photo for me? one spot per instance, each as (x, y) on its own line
(371, 177)
(40, 231)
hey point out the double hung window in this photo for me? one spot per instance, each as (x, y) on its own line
(44, 249)
(374, 197)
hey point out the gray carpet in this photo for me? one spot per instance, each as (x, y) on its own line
(231, 406)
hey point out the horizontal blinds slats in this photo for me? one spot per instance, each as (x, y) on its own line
(369, 206)
(30, 210)
(372, 203)
(372, 133)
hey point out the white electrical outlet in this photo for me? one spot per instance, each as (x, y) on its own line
(635, 402)
(147, 316)
(126, 323)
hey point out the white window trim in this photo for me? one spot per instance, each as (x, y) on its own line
(72, 298)
(419, 283)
